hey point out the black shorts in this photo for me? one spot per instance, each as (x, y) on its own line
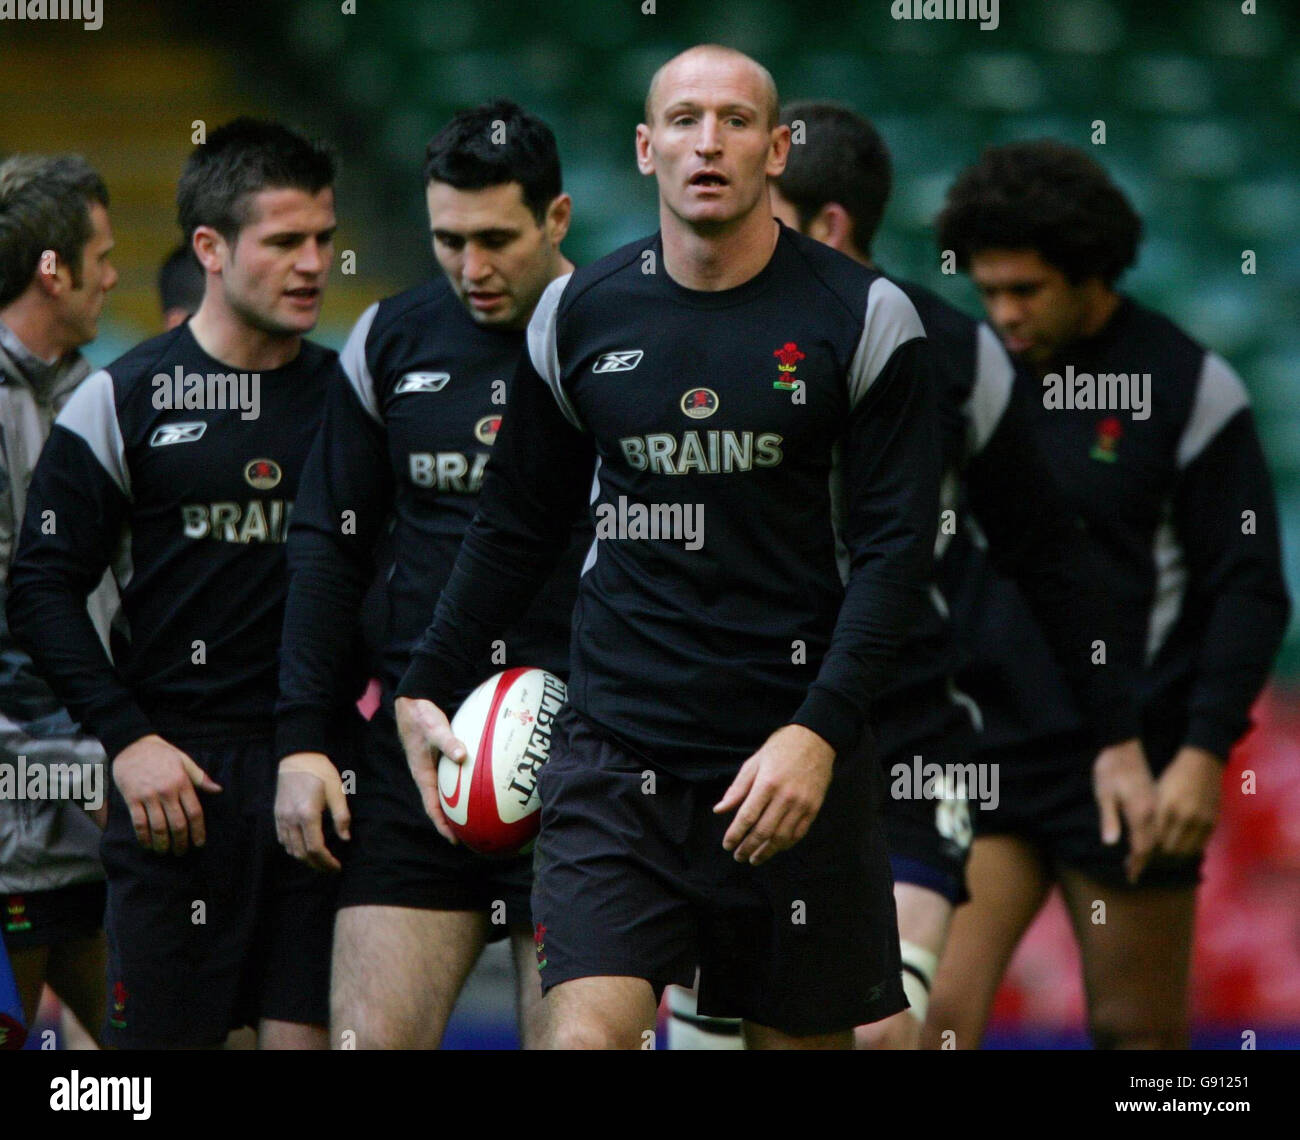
(1047, 799)
(226, 934)
(636, 884)
(397, 858)
(51, 918)
(931, 800)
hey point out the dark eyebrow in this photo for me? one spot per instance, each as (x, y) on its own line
(283, 235)
(478, 235)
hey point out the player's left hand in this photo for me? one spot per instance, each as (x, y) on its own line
(779, 791)
(1187, 801)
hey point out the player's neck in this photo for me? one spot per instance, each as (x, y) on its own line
(562, 266)
(226, 338)
(33, 327)
(1099, 308)
(719, 259)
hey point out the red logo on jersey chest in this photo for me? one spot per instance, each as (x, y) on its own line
(1109, 432)
(788, 357)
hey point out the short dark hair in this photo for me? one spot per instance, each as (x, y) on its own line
(1044, 196)
(45, 204)
(495, 143)
(181, 281)
(842, 159)
(240, 159)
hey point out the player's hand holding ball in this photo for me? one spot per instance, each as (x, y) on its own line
(426, 733)
(779, 791)
(306, 785)
(157, 780)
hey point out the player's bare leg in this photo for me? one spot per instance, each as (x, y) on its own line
(602, 1013)
(29, 975)
(76, 971)
(72, 1035)
(1136, 947)
(765, 1037)
(923, 918)
(81, 969)
(530, 1007)
(1008, 884)
(397, 973)
(291, 1035)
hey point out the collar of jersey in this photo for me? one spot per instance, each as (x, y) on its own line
(723, 298)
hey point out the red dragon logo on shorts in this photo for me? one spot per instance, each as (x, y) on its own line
(117, 1019)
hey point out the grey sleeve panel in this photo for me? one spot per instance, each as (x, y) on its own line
(91, 413)
(890, 321)
(356, 368)
(994, 377)
(542, 349)
(1220, 395)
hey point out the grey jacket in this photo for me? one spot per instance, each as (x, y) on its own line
(45, 842)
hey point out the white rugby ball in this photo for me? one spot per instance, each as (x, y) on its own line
(505, 724)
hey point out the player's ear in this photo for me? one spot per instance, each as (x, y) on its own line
(833, 226)
(644, 162)
(209, 248)
(778, 151)
(558, 216)
(52, 277)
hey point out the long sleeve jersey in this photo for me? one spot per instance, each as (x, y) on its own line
(1182, 526)
(180, 474)
(761, 465)
(47, 844)
(413, 409)
(995, 470)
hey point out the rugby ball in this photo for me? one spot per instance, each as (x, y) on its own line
(505, 724)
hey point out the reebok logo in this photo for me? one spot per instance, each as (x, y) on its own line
(623, 361)
(421, 382)
(176, 433)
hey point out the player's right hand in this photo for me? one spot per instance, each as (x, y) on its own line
(157, 781)
(426, 734)
(1123, 785)
(307, 784)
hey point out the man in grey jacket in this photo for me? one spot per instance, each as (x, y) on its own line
(54, 273)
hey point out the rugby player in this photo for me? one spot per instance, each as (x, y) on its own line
(1153, 441)
(409, 426)
(835, 187)
(51, 879)
(177, 465)
(689, 812)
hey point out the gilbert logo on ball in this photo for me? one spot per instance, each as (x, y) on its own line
(505, 724)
